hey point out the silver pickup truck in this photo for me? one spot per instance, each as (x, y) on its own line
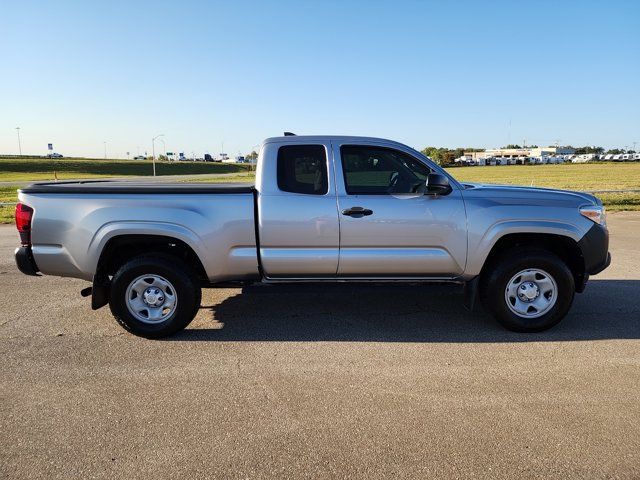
(324, 209)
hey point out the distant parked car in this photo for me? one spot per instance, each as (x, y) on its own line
(54, 155)
(139, 157)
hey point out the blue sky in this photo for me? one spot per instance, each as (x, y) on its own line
(440, 73)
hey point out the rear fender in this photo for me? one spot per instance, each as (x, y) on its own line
(163, 229)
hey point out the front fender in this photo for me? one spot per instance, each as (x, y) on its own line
(480, 248)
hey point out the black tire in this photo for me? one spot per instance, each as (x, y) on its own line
(181, 277)
(494, 282)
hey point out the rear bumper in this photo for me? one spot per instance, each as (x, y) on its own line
(595, 249)
(25, 261)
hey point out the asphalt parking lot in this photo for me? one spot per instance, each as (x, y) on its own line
(333, 381)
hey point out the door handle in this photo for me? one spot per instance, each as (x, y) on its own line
(357, 212)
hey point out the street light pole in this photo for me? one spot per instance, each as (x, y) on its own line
(254, 161)
(19, 144)
(153, 151)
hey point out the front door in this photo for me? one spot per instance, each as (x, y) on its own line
(388, 226)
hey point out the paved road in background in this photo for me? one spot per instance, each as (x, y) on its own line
(321, 381)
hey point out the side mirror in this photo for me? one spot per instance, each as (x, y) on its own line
(438, 184)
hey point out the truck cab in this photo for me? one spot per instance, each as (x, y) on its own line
(348, 208)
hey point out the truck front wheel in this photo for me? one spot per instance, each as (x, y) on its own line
(528, 290)
(154, 296)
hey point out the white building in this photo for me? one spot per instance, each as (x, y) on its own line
(519, 156)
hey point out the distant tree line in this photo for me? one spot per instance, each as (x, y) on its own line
(445, 156)
(600, 150)
(515, 145)
(618, 151)
(583, 150)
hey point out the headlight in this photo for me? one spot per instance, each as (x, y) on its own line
(596, 213)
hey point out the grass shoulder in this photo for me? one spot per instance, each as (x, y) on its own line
(42, 169)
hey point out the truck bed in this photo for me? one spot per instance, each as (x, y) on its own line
(126, 187)
(73, 221)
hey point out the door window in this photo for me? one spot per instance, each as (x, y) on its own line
(303, 169)
(370, 170)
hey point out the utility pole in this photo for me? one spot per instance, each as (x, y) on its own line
(19, 144)
(153, 149)
(105, 150)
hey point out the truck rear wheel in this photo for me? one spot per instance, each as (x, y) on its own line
(528, 290)
(154, 296)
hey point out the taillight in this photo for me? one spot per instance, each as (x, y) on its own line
(24, 214)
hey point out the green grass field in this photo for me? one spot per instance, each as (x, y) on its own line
(597, 176)
(572, 176)
(7, 194)
(15, 170)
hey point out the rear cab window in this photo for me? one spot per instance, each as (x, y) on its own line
(303, 169)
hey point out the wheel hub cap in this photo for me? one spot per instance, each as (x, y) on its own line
(151, 298)
(528, 291)
(531, 293)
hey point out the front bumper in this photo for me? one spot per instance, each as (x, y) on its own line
(25, 261)
(595, 249)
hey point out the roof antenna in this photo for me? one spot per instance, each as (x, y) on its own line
(289, 134)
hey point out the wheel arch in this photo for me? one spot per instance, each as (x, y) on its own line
(120, 248)
(565, 247)
(150, 233)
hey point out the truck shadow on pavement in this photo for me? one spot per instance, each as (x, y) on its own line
(608, 309)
